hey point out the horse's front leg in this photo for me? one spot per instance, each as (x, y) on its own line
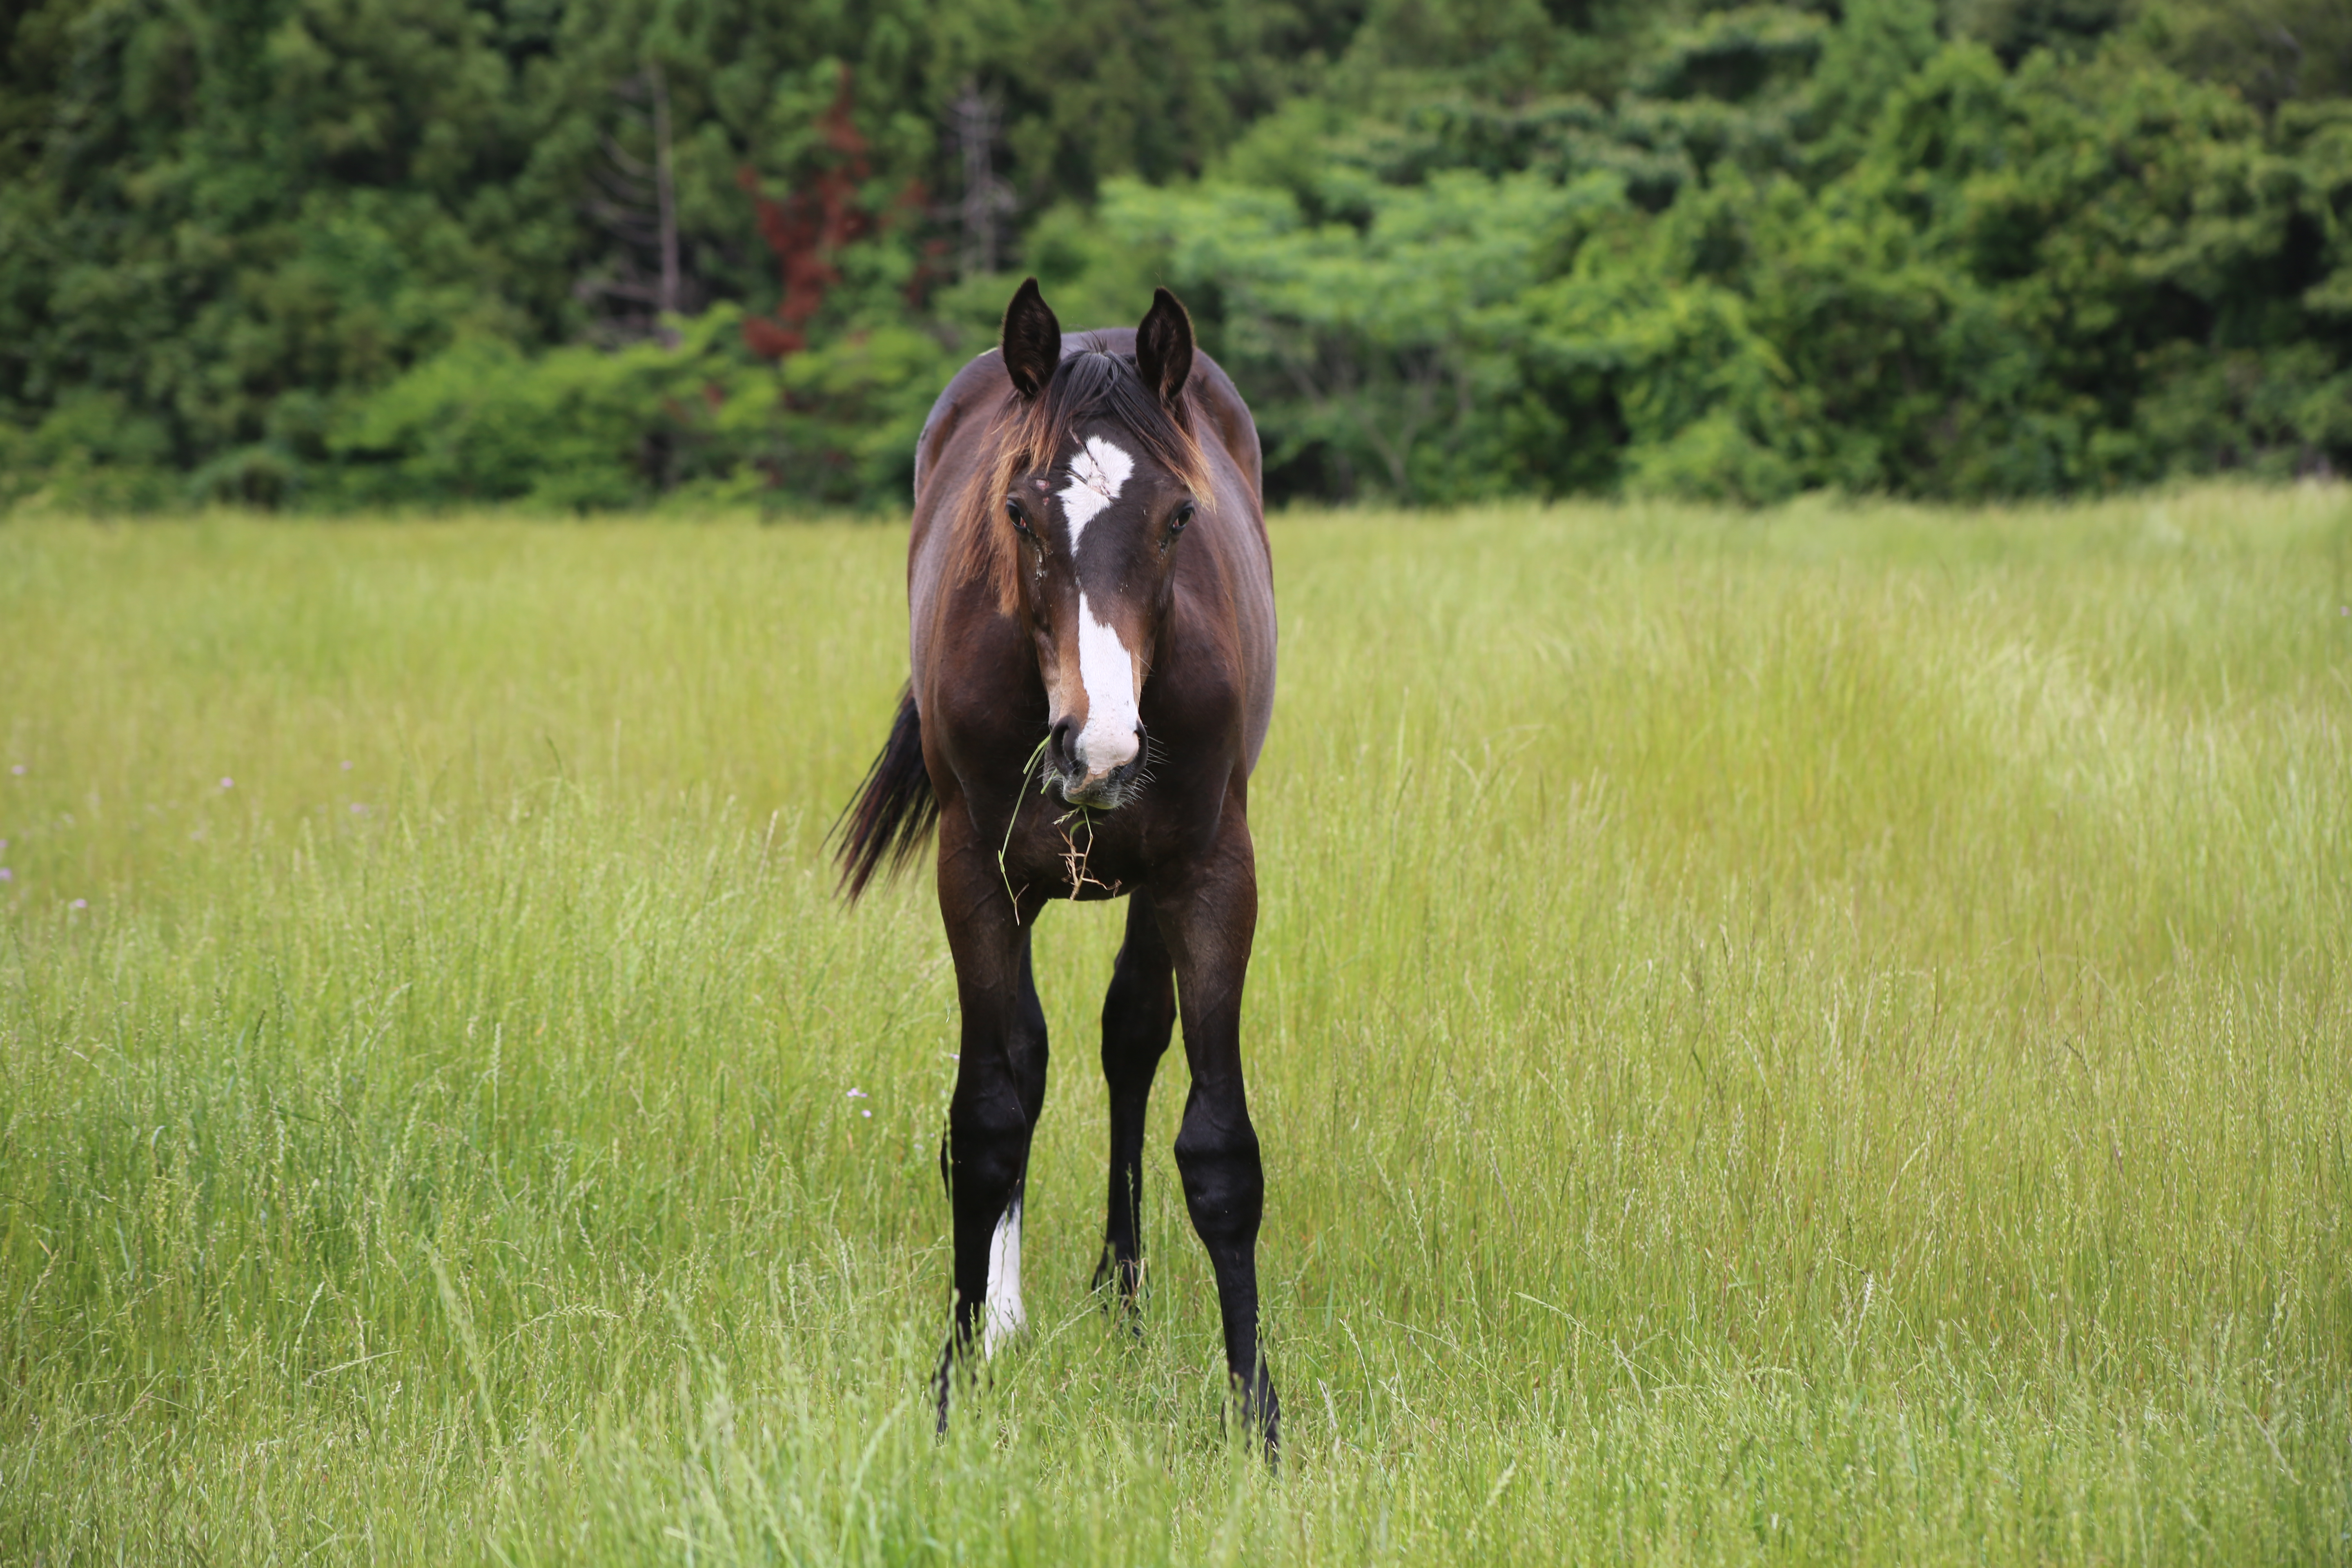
(1209, 919)
(1000, 1090)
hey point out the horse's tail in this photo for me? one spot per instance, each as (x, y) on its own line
(894, 810)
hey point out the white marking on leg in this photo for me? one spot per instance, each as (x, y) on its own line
(1003, 1317)
(1098, 474)
(1107, 671)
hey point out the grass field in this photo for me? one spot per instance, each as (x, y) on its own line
(1819, 1035)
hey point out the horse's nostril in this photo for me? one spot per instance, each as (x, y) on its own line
(1060, 746)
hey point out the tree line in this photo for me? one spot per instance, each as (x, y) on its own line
(336, 253)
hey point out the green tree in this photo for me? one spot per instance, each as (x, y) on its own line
(318, 252)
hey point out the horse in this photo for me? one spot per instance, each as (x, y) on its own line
(1090, 595)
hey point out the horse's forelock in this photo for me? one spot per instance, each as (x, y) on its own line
(1091, 385)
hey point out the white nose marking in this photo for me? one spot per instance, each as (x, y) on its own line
(1003, 1317)
(1107, 671)
(1098, 474)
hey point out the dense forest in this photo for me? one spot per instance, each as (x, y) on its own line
(328, 253)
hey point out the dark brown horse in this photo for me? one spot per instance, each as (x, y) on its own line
(1092, 602)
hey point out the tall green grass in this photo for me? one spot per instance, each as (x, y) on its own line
(1813, 1036)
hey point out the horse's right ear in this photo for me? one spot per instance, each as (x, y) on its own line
(1163, 346)
(1032, 341)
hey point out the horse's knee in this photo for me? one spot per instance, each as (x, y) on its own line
(1025, 1043)
(1029, 1053)
(1224, 1182)
(986, 1142)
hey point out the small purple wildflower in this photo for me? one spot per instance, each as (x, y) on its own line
(7, 875)
(867, 1114)
(228, 784)
(80, 904)
(18, 770)
(347, 766)
(357, 808)
(859, 1094)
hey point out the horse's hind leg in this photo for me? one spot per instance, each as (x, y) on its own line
(1139, 1014)
(1000, 1089)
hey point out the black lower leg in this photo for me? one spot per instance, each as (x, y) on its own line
(1224, 1188)
(1208, 924)
(1000, 1089)
(1000, 1072)
(1138, 1015)
(987, 1148)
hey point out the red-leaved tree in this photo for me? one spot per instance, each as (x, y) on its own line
(808, 228)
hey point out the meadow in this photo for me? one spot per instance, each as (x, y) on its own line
(1816, 1035)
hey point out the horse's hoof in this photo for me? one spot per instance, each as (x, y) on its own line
(1261, 1407)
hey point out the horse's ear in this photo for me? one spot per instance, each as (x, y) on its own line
(1163, 346)
(1032, 341)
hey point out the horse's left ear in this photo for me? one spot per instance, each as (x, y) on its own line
(1163, 347)
(1032, 341)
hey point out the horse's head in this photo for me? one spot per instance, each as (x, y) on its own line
(1098, 479)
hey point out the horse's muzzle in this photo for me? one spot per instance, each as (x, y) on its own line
(1099, 789)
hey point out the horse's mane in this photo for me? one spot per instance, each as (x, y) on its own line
(1091, 384)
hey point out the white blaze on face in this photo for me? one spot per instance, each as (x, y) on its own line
(1003, 1317)
(1098, 474)
(1107, 671)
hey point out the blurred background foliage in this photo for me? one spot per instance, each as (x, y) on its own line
(321, 254)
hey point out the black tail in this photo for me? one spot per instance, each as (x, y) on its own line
(894, 810)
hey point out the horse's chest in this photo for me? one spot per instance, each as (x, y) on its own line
(1066, 852)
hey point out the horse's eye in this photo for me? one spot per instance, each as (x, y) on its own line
(1013, 510)
(1183, 515)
